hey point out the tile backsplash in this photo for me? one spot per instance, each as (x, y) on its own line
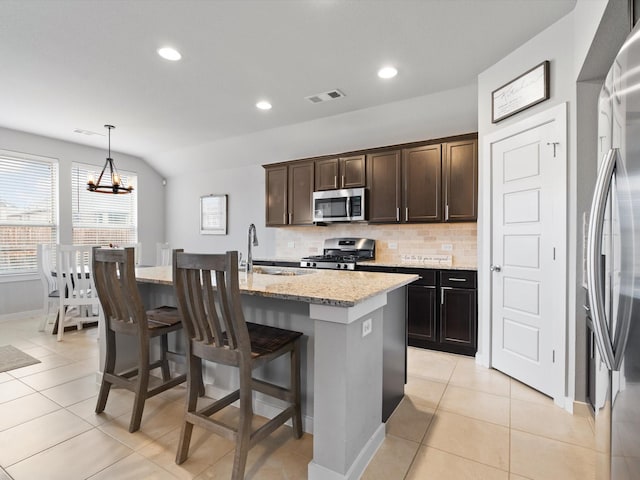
(395, 244)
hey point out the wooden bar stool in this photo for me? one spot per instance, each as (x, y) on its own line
(217, 332)
(124, 313)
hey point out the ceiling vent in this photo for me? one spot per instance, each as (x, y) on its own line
(325, 97)
(86, 132)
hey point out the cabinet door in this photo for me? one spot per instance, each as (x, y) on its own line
(327, 174)
(383, 178)
(421, 182)
(461, 181)
(421, 315)
(352, 172)
(276, 191)
(458, 320)
(300, 193)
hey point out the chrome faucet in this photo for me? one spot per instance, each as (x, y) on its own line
(252, 240)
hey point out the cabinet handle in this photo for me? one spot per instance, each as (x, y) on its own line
(284, 218)
(342, 181)
(453, 279)
(406, 214)
(335, 181)
(397, 214)
(446, 212)
(442, 289)
(289, 219)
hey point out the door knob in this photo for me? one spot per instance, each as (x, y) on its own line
(495, 268)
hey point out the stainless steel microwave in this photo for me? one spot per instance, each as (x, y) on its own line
(344, 205)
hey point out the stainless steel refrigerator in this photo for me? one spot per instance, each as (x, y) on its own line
(613, 271)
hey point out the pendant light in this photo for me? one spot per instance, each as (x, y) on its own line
(116, 185)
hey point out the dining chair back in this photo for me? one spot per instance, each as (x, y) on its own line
(208, 293)
(49, 282)
(137, 247)
(124, 313)
(79, 303)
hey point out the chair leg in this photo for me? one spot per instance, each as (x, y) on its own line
(164, 366)
(109, 367)
(61, 317)
(244, 425)
(194, 384)
(142, 386)
(295, 387)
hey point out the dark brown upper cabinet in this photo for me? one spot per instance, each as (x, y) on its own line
(383, 179)
(421, 184)
(344, 172)
(460, 181)
(289, 191)
(276, 190)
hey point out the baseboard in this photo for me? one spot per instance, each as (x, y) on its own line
(318, 472)
(20, 315)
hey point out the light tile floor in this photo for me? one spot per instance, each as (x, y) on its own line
(457, 421)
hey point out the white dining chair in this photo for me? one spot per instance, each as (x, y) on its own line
(163, 254)
(49, 283)
(79, 303)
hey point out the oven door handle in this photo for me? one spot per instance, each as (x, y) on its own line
(349, 208)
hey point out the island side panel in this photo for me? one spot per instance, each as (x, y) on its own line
(394, 374)
(348, 401)
(290, 315)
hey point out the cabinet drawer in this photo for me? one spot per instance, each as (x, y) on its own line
(458, 278)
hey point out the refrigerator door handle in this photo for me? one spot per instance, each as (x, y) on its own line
(625, 302)
(595, 280)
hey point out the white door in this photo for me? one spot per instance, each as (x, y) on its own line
(528, 230)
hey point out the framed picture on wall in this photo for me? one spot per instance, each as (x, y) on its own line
(525, 91)
(213, 214)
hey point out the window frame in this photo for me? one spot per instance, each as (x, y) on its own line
(54, 204)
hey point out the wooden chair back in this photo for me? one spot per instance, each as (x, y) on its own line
(115, 280)
(208, 293)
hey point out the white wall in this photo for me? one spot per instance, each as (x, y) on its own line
(18, 294)
(565, 44)
(234, 166)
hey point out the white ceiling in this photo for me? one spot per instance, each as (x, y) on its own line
(70, 64)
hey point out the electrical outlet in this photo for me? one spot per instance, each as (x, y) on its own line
(367, 326)
(447, 247)
(392, 245)
(291, 244)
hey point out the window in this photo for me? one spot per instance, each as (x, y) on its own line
(28, 209)
(99, 218)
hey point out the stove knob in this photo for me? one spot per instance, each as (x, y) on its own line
(314, 265)
(344, 266)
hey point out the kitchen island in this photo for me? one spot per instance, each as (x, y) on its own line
(349, 320)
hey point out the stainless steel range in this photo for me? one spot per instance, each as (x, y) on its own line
(342, 253)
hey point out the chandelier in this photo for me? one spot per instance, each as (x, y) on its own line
(116, 185)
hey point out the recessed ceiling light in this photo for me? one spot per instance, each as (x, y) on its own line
(263, 105)
(387, 72)
(169, 53)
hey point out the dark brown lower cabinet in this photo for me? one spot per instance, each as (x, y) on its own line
(457, 325)
(442, 311)
(441, 308)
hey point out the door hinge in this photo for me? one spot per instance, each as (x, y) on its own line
(554, 356)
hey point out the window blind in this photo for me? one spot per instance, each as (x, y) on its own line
(99, 218)
(28, 210)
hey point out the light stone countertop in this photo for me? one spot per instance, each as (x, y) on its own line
(383, 263)
(326, 287)
(417, 265)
